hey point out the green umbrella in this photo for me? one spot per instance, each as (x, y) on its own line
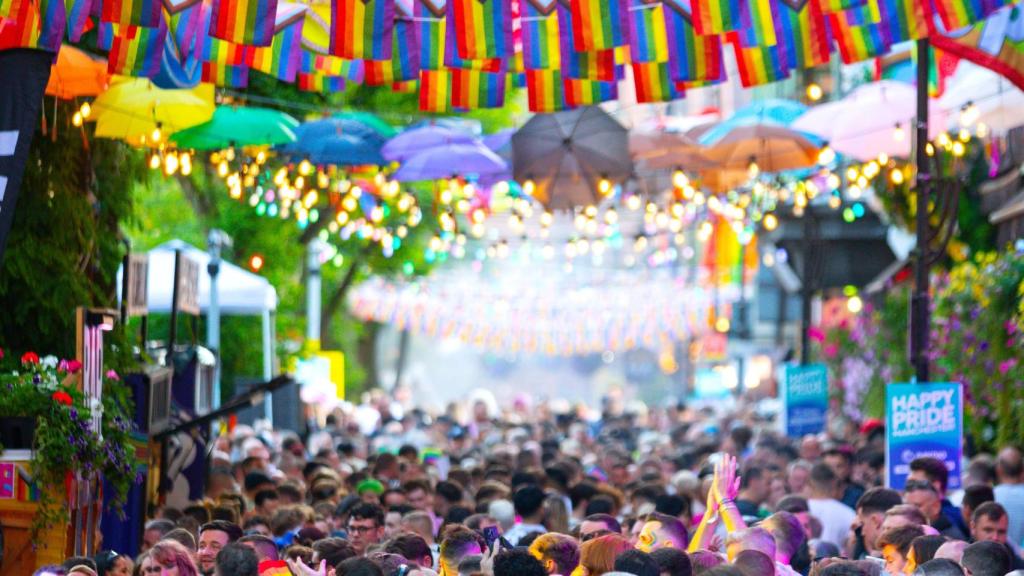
(238, 126)
(371, 120)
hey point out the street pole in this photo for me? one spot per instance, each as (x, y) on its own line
(919, 308)
(806, 292)
(216, 241)
(313, 289)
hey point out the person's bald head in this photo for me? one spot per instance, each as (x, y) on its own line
(1010, 465)
(952, 550)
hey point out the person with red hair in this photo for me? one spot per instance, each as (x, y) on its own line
(598, 556)
(169, 558)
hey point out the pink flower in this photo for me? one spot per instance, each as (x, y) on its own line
(831, 350)
(816, 334)
(111, 375)
(69, 366)
(1007, 365)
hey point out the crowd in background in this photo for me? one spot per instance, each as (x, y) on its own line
(549, 489)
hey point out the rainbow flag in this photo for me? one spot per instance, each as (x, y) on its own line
(281, 58)
(692, 57)
(131, 12)
(715, 16)
(803, 34)
(378, 73)
(78, 12)
(482, 28)
(431, 32)
(832, 6)
(406, 87)
(249, 22)
(136, 51)
(757, 22)
(544, 91)
(600, 24)
(362, 28)
(858, 33)
(34, 24)
(453, 60)
(472, 89)
(648, 39)
(320, 83)
(405, 53)
(997, 43)
(225, 75)
(226, 53)
(540, 37)
(957, 14)
(599, 65)
(517, 79)
(903, 19)
(186, 25)
(653, 84)
(11, 9)
(274, 568)
(588, 92)
(434, 86)
(105, 32)
(758, 64)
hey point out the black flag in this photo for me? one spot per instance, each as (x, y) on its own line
(23, 77)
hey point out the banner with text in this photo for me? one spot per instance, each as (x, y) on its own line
(804, 399)
(923, 420)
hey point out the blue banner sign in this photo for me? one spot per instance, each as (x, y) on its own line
(923, 420)
(805, 399)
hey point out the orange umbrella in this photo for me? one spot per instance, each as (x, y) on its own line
(76, 73)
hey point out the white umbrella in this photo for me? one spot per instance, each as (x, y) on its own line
(864, 123)
(999, 104)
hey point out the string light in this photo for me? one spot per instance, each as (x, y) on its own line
(86, 110)
(529, 187)
(770, 222)
(958, 149)
(604, 186)
(76, 119)
(826, 155)
(633, 202)
(186, 164)
(753, 170)
(611, 216)
(154, 161)
(898, 134)
(679, 179)
(814, 92)
(981, 130)
(896, 176)
(964, 136)
(170, 163)
(156, 135)
(305, 167)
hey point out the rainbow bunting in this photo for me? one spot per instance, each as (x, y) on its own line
(453, 60)
(281, 58)
(832, 6)
(378, 72)
(544, 91)
(692, 57)
(652, 83)
(540, 36)
(362, 28)
(588, 92)
(225, 53)
(78, 12)
(314, 82)
(185, 27)
(136, 51)
(105, 32)
(715, 16)
(600, 24)
(758, 64)
(405, 53)
(858, 33)
(802, 33)
(434, 86)
(249, 22)
(483, 28)
(757, 22)
(35, 24)
(472, 89)
(957, 14)
(131, 12)
(648, 41)
(430, 35)
(406, 87)
(225, 75)
(274, 568)
(903, 19)
(599, 65)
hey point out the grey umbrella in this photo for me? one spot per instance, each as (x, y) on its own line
(566, 155)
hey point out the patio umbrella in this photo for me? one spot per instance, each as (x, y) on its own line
(76, 73)
(343, 150)
(772, 111)
(453, 159)
(566, 155)
(1000, 104)
(239, 126)
(370, 120)
(773, 147)
(416, 140)
(863, 124)
(133, 107)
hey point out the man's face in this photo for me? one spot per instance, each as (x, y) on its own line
(270, 506)
(420, 500)
(926, 501)
(362, 532)
(920, 476)
(759, 489)
(261, 529)
(392, 524)
(210, 543)
(392, 499)
(870, 528)
(652, 538)
(894, 561)
(840, 465)
(589, 527)
(797, 479)
(149, 538)
(988, 530)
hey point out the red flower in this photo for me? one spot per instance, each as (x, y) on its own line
(30, 358)
(62, 398)
(69, 366)
(1, 353)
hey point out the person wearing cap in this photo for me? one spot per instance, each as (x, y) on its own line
(369, 490)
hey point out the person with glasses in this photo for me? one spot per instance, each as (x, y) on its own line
(922, 495)
(110, 563)
(597, 525)
(934, 472)
(365, 526)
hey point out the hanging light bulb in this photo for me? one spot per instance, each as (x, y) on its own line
(770, 222)
(679, 179)
(156, 135)
(86, 110)
(546, 219)
(529, 187)
(753, 170)
(896, 176)
(633, 202)
(898, 134)
(611, 216)
(964, 135)
(222, 168)
(186, 163)
(929, 149)
(826, 155)
(883, 158)
(981, 130)
(170, 163)
(261, 157)
(958, 149)
(604, 186)
(76, 119)
(814, 92)
(305, 167)
(154, 161)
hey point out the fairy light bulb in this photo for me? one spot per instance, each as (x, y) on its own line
(981, 130)
(896, 176)
(604, 186)
(261, 157)
(633, 202)
(898, 133)
(546, 219)
(76, 119)
(611, 216)
(222, 168)
(86, 110)
(679, 179)
(770, 222)
(958, 149)
(753, 170)
(814, 92)
(964, 135)
(186, 163)
(529, 187)
(154, 161)
(305, 167)
(826, 155)
(170, 163)
(156, 135)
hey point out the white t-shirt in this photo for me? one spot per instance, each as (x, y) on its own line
(1011, 497)
(835, 518)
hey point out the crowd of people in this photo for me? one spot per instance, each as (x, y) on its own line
(536, 491)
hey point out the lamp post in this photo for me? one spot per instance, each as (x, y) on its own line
(216, 241)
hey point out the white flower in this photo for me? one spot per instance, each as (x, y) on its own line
(50, 361)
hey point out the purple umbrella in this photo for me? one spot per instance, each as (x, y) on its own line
(416, 140)
(445, 161)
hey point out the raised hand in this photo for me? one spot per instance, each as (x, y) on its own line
(726, 484)
(299, 568)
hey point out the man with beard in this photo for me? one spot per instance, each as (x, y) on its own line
(213, 537)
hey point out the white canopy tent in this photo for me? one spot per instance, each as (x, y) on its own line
(239, 293)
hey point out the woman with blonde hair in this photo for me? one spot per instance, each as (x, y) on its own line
(598, 556)
(169, 558)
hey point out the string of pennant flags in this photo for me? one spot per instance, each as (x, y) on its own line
(465, 54)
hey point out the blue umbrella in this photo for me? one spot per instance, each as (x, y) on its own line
(776, 111)
(416, 140)
(453, 159)
(340, 141)
(343, 150)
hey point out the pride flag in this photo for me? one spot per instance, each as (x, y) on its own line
(136, 51)
(281, 58)
(597, 65)
(225, 75)
(406, 87)
(957, 14)
(544, 91)
(78, 12)
(903, 19)
(715, 16)
(34, 24)
(859, 33)
(758, 64)
(692, 57)
(831, 6)
(185, 26)
(996, 43)
(249, 22)
(540, 37)
(588, 92)
(482, 28)
(430, 35)
(434, 86)
(452, 59)
(600, 24)
(802, 33)
(131, 12)
(648, 40)
(405, 53)
(652, 83)
(320, 83)
(757, 22)
(472, 89)
(378, 73)
(362, 28)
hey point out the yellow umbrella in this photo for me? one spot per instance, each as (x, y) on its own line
(135, 110)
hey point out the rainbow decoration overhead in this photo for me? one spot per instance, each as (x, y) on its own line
(405, 52)
(136, 51)
(758, 64)
(957, 14)
(715, 16)
(431, 31)
(653, 83)
(692, 57)
(378, 73)
(361, 29)
(544, 91)
(996, 43)
(540, 38)
(314, 82)
(482, 28)
(588, 92)
(803, 33)
(185, 28)
(472, 89)
(225, 75)
(281, 58)
(453, 60)
(35, 24)
(648, 41)
(244, 21)
(832, 6)
(434, 90)
(78, 12)
(131, 12)
(859, 34)
(601, 24)
(757, 22)
(903, 19)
